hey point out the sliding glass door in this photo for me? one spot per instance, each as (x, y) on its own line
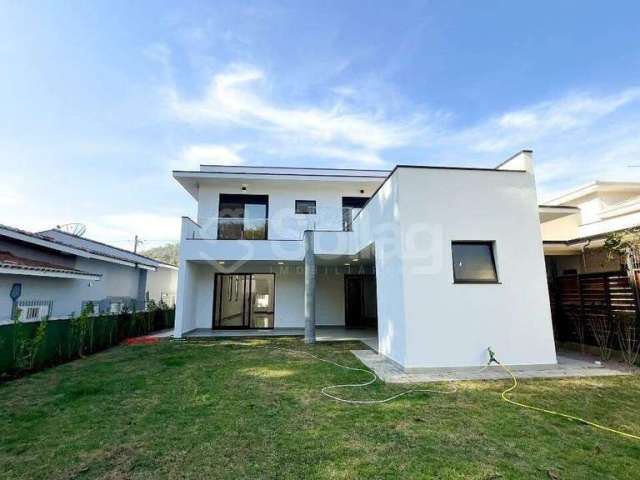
(244, 300)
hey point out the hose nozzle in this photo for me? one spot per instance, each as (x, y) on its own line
(492, 357)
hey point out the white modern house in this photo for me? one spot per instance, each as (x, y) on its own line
(442, 262)
(574, 236)
(57, 273)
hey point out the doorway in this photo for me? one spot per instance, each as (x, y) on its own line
(360, 301)
(244, 300)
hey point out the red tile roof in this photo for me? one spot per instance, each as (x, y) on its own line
(8, 260)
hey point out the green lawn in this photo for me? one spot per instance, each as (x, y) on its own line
(223, 410)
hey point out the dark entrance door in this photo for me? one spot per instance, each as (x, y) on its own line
(244, 300)
(360, 301)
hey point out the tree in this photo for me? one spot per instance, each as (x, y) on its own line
(623, 244)
(166, 253)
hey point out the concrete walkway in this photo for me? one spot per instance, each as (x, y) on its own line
(568, 366)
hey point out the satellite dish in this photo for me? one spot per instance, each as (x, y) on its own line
(77, 229)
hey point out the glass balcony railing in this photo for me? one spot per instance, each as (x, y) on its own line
(242, 228)
(348, 215)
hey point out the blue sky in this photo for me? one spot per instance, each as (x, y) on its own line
(99, 101)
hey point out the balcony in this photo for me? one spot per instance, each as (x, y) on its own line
(244, 239)
(248, 242)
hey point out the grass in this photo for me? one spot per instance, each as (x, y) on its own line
(222, 410)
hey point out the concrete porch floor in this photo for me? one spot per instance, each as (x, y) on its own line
(569, 365)
(323, 334)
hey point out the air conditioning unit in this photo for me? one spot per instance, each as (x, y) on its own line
(116, 307)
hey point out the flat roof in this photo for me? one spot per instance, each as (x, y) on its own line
(190, 179)
(592, 187)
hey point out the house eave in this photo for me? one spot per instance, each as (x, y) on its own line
(49, 273)
(53, 245)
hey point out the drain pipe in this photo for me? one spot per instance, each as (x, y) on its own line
(584, 260)
(309, 288)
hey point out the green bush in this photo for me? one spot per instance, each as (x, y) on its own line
(28, 347)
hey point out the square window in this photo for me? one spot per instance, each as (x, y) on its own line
(306, 207)
(474, 262)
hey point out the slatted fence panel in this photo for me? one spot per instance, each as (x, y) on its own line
(588, 297)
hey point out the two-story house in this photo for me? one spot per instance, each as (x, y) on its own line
(442, 261)
(574, 238)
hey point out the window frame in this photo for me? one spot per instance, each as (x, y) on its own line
(241, 201)
(315, 207)
(492, 245)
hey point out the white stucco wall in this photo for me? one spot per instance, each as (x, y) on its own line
(564, 228)
(163, 280)
(378, 224)
(69, 294)
(284, 223)
(450, 324)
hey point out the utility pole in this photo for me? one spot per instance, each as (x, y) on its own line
(136, 242)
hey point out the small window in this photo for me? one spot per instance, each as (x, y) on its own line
(306, 207)
(474, 262)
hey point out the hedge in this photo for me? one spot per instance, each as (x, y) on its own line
(67, 339)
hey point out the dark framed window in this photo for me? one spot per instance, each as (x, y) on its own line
(474, 262)
(351, 207)
(243, 217)
(306, 207)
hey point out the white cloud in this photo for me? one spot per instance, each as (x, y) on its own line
(234, 98)
(576, 137)
(518, 128)
(195, 155)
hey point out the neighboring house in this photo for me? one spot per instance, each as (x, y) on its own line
(579, 221)
(59, 273)
(443, 261)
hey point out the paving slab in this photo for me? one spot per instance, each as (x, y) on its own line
(568, 366)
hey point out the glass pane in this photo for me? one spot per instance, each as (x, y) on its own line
(255, 222)
(346, 219)
(230, 228)
(242, 217)
(230, 312)
(473, 262)
(306, 207)
(262, 300)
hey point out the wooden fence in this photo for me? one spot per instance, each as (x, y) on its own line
(580, 299)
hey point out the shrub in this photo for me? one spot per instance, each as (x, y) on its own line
(628, 337)
(34, 345)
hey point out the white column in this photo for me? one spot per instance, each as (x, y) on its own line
(309, 289)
